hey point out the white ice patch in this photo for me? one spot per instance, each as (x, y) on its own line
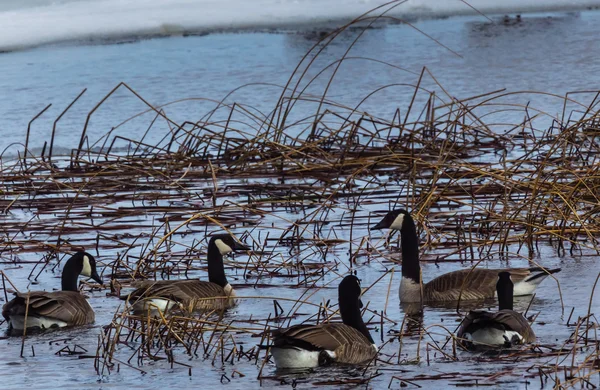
(27, 23)
(297, 357)
(397, 224)
(87, 267)
(18, 322)
(223, 248)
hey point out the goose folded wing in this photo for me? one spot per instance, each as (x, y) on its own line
(163, 288)
(474, 320)
(475, 284)
(68, 306)
(512, 320)
(502, 320)
(200, 289)
(180, 290)
(317, 337)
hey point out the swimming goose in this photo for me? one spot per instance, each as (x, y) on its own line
(478, 283)
(191, 294)
(505, 327)
(305, 346)
(56, 309)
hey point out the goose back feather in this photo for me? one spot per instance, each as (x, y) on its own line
(64, 308)
(336, 342)
(189, 295)
(505, 327)
(465, 284)
(55, 309)
(350, 342)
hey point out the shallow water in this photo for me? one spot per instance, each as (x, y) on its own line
(517, 57)
(576, 279)
(71, 372)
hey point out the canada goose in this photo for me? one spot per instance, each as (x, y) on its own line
(505, 327)
(191, 294)
(478, 283)
(56, 309)
(305, 346)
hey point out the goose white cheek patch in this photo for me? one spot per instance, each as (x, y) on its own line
(397, 224)
(87, 267)
(223, 248)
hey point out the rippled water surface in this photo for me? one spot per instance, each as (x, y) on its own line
(551, 53)
(554, 53)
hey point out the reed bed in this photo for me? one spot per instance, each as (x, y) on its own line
(303, 204)
(301, 190)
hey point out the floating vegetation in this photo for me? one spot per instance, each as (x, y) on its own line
(301, 190)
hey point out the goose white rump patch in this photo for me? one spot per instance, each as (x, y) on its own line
(18, 322)
(492, 336)
(154, 304)
(297, 357)
(526, 288)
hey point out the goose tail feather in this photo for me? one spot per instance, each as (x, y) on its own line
(538, 274)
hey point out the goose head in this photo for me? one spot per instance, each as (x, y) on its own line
(393, 220)
(226, 244)
(349, 291)
(81, 263)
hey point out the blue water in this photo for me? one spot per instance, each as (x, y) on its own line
(551, 53)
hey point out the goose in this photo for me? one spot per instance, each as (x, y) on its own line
(309, 346)
(505, 327)
(55, 309)
(191, 294)
(478, 283)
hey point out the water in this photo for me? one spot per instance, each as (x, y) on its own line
(550, 52)
(576, 281)
(493, 56)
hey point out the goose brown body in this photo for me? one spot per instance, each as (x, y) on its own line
(350, 342)
(189, 295)
(467, 284)
(505, 320)
(41, 309)
(505, 327)
(192, 294)
(69, 307)
(349, 346)
(470, 284)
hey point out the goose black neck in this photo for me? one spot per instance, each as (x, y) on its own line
(216, 271)
(350, 312)
(70, 274)
(410, 250)
(505, 288)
